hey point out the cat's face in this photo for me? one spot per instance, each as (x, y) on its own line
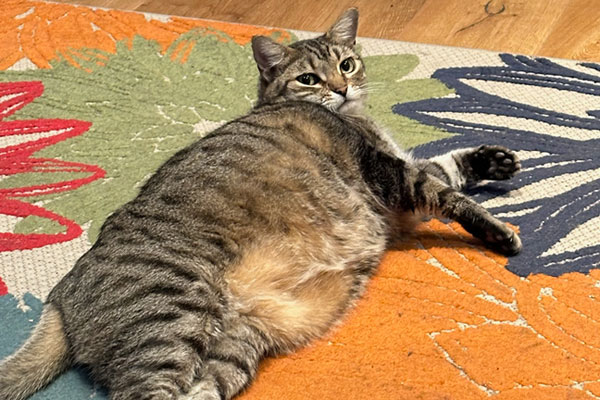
(325, 70)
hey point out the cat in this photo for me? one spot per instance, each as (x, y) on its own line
(254, 240)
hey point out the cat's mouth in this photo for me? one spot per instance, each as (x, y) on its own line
(350, 107)
(351, 103)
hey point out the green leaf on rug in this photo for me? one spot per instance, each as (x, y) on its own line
(143, 106)
(389, 87)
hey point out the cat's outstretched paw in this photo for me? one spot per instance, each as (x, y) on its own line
(493, 162)
(494, 233)
(504, 240)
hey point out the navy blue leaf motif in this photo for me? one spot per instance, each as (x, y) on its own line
(556, 199)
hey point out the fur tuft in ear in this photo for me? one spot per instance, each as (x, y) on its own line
(345, 28)
(267, 53)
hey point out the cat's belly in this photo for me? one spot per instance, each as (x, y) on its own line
(294, 287)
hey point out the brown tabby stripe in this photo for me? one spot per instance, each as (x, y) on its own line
(161, 291)
(168, 267)
(152, 319)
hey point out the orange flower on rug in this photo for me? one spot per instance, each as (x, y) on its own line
(44, 31)
(443, 318)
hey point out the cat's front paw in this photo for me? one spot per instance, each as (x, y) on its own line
(504, 240)
(494, 233)
(493, 162)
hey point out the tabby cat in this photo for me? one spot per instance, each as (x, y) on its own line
(254, 240)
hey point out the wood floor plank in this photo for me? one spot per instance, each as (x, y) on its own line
(553, 28)
(577, 33)
(501, 25)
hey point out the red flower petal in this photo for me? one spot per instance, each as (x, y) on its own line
(3, 288)
(21, 140)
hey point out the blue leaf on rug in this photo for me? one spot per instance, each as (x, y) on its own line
(549, 113)
(18, 319)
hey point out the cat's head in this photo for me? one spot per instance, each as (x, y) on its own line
(325, 70)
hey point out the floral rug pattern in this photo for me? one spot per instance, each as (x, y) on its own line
(92, 101)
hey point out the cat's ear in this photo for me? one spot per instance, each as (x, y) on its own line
(345, 28)
(268, 53)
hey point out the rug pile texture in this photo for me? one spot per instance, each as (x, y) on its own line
(92, 101)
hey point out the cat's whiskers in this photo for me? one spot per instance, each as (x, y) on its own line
(372, 87)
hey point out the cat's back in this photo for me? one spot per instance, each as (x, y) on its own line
(258, 141)
(268, 203)
(277, 161)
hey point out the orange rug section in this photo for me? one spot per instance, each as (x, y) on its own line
(443, 319)
(40, 31)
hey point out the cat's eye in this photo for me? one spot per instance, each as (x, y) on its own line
(308, 79)
(348, 65)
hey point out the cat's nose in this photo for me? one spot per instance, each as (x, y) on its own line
(341, 90)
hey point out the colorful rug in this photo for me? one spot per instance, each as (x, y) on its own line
(92, 101)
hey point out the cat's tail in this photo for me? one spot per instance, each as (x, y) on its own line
(38, 361)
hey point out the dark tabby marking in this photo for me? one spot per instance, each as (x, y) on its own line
(254, 240)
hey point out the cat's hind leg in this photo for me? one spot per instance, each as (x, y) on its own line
(191, 367)
(230, 363)
(161, 370)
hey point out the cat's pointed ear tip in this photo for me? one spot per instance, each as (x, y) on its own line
(267, 52)
(351, 13)
(258, 39)
(263, 44)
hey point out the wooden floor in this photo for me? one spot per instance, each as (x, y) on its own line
(555, 28)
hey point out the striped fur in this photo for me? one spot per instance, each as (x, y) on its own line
(251, 242)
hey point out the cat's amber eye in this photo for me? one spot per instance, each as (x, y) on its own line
(308, 79)
(348, 65)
